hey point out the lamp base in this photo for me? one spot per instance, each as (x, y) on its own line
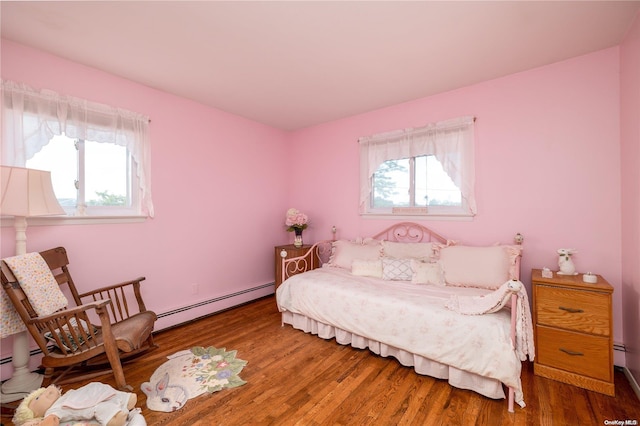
(20, 386)
(23, 381)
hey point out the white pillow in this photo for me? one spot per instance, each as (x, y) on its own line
(367, 268)
(426, 273)
(344, 252)
(399, 250)
(396, 269)
(482, 267)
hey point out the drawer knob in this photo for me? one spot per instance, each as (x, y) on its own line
(571, 310)
(570, 352)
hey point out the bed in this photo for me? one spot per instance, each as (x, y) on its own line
(450, 311)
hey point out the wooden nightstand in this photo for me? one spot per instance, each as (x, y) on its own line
(573, 331)
(292, 251)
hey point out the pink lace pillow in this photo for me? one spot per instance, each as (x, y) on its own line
(344, 252)
(482, 267)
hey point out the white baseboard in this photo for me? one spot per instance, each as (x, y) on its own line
(186, 314)
(632, 381)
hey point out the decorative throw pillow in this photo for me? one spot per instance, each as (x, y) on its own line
(367, 268)
(482, 267)
(344, 252)
(396, 269)
(426, 273)
(399, 250)
(65, 329)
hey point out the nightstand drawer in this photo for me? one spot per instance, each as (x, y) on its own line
(585, 311)
(574, 352)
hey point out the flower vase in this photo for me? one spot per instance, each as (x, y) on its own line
(298, 238)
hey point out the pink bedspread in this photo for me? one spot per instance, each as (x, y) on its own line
(407, 316)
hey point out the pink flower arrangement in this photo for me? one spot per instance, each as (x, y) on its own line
(296, 220)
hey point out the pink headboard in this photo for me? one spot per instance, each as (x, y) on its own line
(409, 232)
(405, 232)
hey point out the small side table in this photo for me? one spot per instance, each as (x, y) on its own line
(292, 251)
(573, 331)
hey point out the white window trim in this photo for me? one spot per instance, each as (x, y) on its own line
(442, 139)
(53, 114)
(7, 221)
(461, 217)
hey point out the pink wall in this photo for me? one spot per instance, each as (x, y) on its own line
(630, 147)
(547, 165)
(218, 189)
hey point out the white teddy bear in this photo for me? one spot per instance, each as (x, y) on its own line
(565, 263)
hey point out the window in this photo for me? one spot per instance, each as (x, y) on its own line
(99, 156)
(413, 182)
(89, 178)
(426, 171)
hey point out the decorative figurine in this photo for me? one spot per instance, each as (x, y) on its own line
(565, 263)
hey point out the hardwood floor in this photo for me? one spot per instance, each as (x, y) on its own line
(299, 379)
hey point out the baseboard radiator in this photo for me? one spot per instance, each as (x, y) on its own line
(209, 302)
(179, 310)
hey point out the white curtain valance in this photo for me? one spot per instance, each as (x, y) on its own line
(450, 141)
(31, 118)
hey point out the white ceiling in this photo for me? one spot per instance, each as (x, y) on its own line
(293, 64)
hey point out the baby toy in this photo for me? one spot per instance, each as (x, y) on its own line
(96, 402)
(565, 263)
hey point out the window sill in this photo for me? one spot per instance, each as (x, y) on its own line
(434, 217)
(74, 220)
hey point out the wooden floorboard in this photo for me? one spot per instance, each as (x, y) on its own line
(295, 378)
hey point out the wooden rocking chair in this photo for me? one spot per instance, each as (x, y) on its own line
(73, 348)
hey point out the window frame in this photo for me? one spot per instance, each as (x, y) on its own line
(82, 209)
(413, 209)
(80, 179)
(432, 139)
(32, 117)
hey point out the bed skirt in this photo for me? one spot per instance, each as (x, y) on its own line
(490, 388)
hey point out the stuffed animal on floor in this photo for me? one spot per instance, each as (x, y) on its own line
(93, 402)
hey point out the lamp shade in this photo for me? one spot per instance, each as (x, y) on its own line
(27, 192)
